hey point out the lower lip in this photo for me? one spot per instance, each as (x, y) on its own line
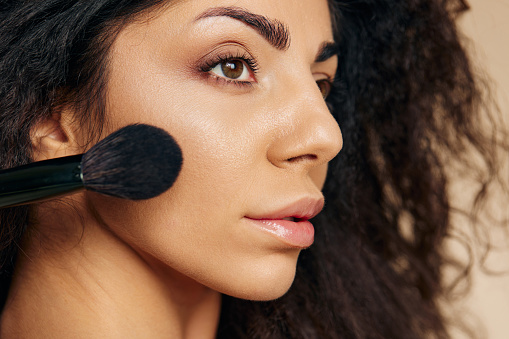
(300, 234)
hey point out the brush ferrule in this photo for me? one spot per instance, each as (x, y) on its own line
(40, 180)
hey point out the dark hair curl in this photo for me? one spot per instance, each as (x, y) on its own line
(407, 102)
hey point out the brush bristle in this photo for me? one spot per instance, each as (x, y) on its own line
(135, 162)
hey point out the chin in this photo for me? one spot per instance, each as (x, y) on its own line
(260, 282)
(262, 291)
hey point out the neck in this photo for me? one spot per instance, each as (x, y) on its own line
(90, 282)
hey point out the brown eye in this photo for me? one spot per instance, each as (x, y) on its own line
(232, 69)
(325, 87)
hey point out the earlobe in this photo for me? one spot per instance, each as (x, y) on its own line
(52, 138)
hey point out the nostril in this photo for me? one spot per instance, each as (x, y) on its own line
(305, 157)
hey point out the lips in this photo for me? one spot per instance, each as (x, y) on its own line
(290, 224)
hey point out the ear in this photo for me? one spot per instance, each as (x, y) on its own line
(53, 137)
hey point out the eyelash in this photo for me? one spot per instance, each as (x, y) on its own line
(251, 63)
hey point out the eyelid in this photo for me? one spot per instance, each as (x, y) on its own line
(228, 52)
(210, 63)
(326, 67)
(319, 76)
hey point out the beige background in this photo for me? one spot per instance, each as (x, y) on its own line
(488, 25)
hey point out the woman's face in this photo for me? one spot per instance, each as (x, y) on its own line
(239, 84)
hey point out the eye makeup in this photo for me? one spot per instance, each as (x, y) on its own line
(232, 64)
(230, 67)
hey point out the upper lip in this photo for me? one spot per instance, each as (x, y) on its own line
(302, 209)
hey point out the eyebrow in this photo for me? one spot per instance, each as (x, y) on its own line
(274, 31)
(327, 50)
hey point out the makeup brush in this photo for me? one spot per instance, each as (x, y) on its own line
(136, 162)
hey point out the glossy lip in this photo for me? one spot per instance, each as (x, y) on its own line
(297, 232)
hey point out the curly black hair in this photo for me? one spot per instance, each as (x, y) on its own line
(408, 105)
(407, 102)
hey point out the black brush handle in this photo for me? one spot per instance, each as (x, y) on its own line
(40, 180)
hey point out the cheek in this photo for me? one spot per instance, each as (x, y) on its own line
(196, 227)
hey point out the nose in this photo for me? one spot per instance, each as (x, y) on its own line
(308, 135)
